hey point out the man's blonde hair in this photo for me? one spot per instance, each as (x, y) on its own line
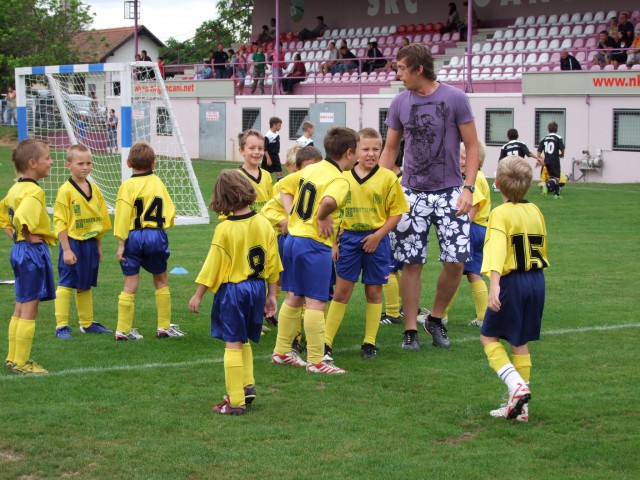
(514, 177)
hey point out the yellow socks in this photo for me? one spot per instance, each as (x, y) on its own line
(499, 361)
(334, 320)
(392, 295)
(62, 306)
(84, 304)
(13, 327)
(247, 362)
(314, 331)
(233, 376)
(288, 324)
(163, 303)
(522, 363)
(24, 338)
(372, 322)
(126, 307)
(480, 298)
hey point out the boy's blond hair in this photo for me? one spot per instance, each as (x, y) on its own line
(141, 156)
(307, 125)
(514, 177)
(73, 149)
(292, 153)
(482, 152)
(242, 136)
(370, 133)
(232, 191)
(28, 149)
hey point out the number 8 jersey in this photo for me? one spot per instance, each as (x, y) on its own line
(142, 202)
(516, 239)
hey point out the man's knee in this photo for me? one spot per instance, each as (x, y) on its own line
(454, 268)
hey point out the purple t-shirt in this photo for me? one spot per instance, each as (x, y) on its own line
(429, 125)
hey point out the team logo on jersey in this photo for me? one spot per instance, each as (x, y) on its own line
(76, 209)
(377, 199)
(348, 200)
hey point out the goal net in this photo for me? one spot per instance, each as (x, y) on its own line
(108, 108)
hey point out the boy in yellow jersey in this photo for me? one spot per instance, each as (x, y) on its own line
(515, 254)
(373, 208)
(251, 143)
(313, 197)
(80, 219)
(243, 254)
(24, 210)
(144, 210)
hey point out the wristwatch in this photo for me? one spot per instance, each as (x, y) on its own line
(471, 188)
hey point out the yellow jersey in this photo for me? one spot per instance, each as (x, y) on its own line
(25, 205)
(273, 210)
(482, 198)
(82, 216)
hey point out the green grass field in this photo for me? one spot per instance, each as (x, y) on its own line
(141, 410)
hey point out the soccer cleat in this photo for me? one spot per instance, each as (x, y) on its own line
(172, 331)
(132, 335)
(95, 327)
(438, 333)
(291, 358)
(557, 197)
(225, 408)
(8, 365)
(64, 333)
(297, 346)
(474, 323)
(517, 399)
(502, 413)
(410, 340)
(249, 394)
(423, 313)
(368, 351)
(31, 367)
(544, 191)
(273, 320)
(387, 319)
(324, 367)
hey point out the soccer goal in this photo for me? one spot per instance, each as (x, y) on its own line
(108, 107)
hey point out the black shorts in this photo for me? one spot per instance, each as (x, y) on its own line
(275, 163)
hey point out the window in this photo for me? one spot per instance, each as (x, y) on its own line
(296, 117)
(626, 130)
(497, 122)
(250, 119)
(164, 127)
(382, 127)
(544, 116)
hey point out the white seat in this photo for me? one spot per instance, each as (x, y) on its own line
(519, 33)
(531, 20)
(557, 68)
(542, 20)
(576, 31)
(436, 37)
(392, 30)
(543, 45)
(591, 42)
(307, 45)
(248, 80)
(564, 19)
(575, 18)
(545, 68)
(485, 74)
(508, 47)
(508, 59)
(496, 47)
(508, 34)
(315, 45)
(334, 33)
(486, 48)
(555, 57)
(543, 58)
(519, 21)
(497, 60)
(322, 45)
(359, 32)
(589, 30)
(496, 73)
(452, 75)
(326, 55)
(343, 32)
(611, 14)
(455, 61)
(367, 32)
(442, 75)
(623, 67)
(567, 43)
(580, 56)
(532, 59)
(475, 60)
(531, 45)
(542, 32)
(477, 47)
(520, 46)
(304, 55)
(508, 73)
(531, 32)
(554, 44)
(288, 56)
(578, 43)
(587, 17)
(554, 31)
(417, 38)
(595, 67)
(498, 35)
(379, 31)
(598, 17)
(326, 34)
(608, 67)
(565, 31)
(636, 66)
(486, 61)
(552, 20)
(475, 73)
(351, 33)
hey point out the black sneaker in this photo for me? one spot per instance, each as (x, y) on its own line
(328, 354)
(249, 394)
(273, 320)
(368, 351)
(438, 332)
(387, 319)
(410, 340)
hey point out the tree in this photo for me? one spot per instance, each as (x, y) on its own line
(39, 32)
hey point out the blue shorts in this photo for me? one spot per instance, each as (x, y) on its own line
(353, 259)
(84, 274)
(33, 272)
(521, 304)
(411, 235)
(147, 248)
(238, 310)
(477, 234)
(307, 268)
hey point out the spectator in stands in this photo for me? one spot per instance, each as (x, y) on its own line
(161, 67)
(346, 62)
(297, 75)
(625, 27)
(391, 63)
(277, 66)
(219, 64)
(619, 55)
(264, 36)
(138, 71)
(325, 67)
(375, 57)
(612, 26)
(259, 67)
(240, 70)
(633, 54)
(568, 61)
(453, 19)
(603, 53)
(272, 28)
(306, 34)
(148, 73)
(229, 65)
(462, 26)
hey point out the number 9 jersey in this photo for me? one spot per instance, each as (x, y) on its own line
(516, 239)
(142, 202)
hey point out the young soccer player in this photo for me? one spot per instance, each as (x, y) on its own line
(514, 147)
(271, 160)
(80, 220)
(243, 254)
(24, 209)
(307, 132)
(515, 254)
(373, 208)
(251, 143)
(313, 197)
(144, 210)
(550, 151)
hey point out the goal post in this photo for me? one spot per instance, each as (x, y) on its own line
(70, 104)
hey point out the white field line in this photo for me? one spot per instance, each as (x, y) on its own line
(208, 361)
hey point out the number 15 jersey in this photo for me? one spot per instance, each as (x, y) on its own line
(516, 239)
(142, 202)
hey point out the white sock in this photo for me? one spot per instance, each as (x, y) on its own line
(509, 375)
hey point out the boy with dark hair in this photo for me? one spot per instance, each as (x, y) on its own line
(515, 254)
(271, 159)
(550, 150)
(23, 215)
(313, 197)
(514, 147)
(144, 210)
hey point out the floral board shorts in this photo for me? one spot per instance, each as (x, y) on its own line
(409, 240)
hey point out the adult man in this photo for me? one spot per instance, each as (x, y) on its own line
(306, 34)
(432, 118)
(625, 27)
(568, 61)
(603, 52)
(148, 73)
(220, 59)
